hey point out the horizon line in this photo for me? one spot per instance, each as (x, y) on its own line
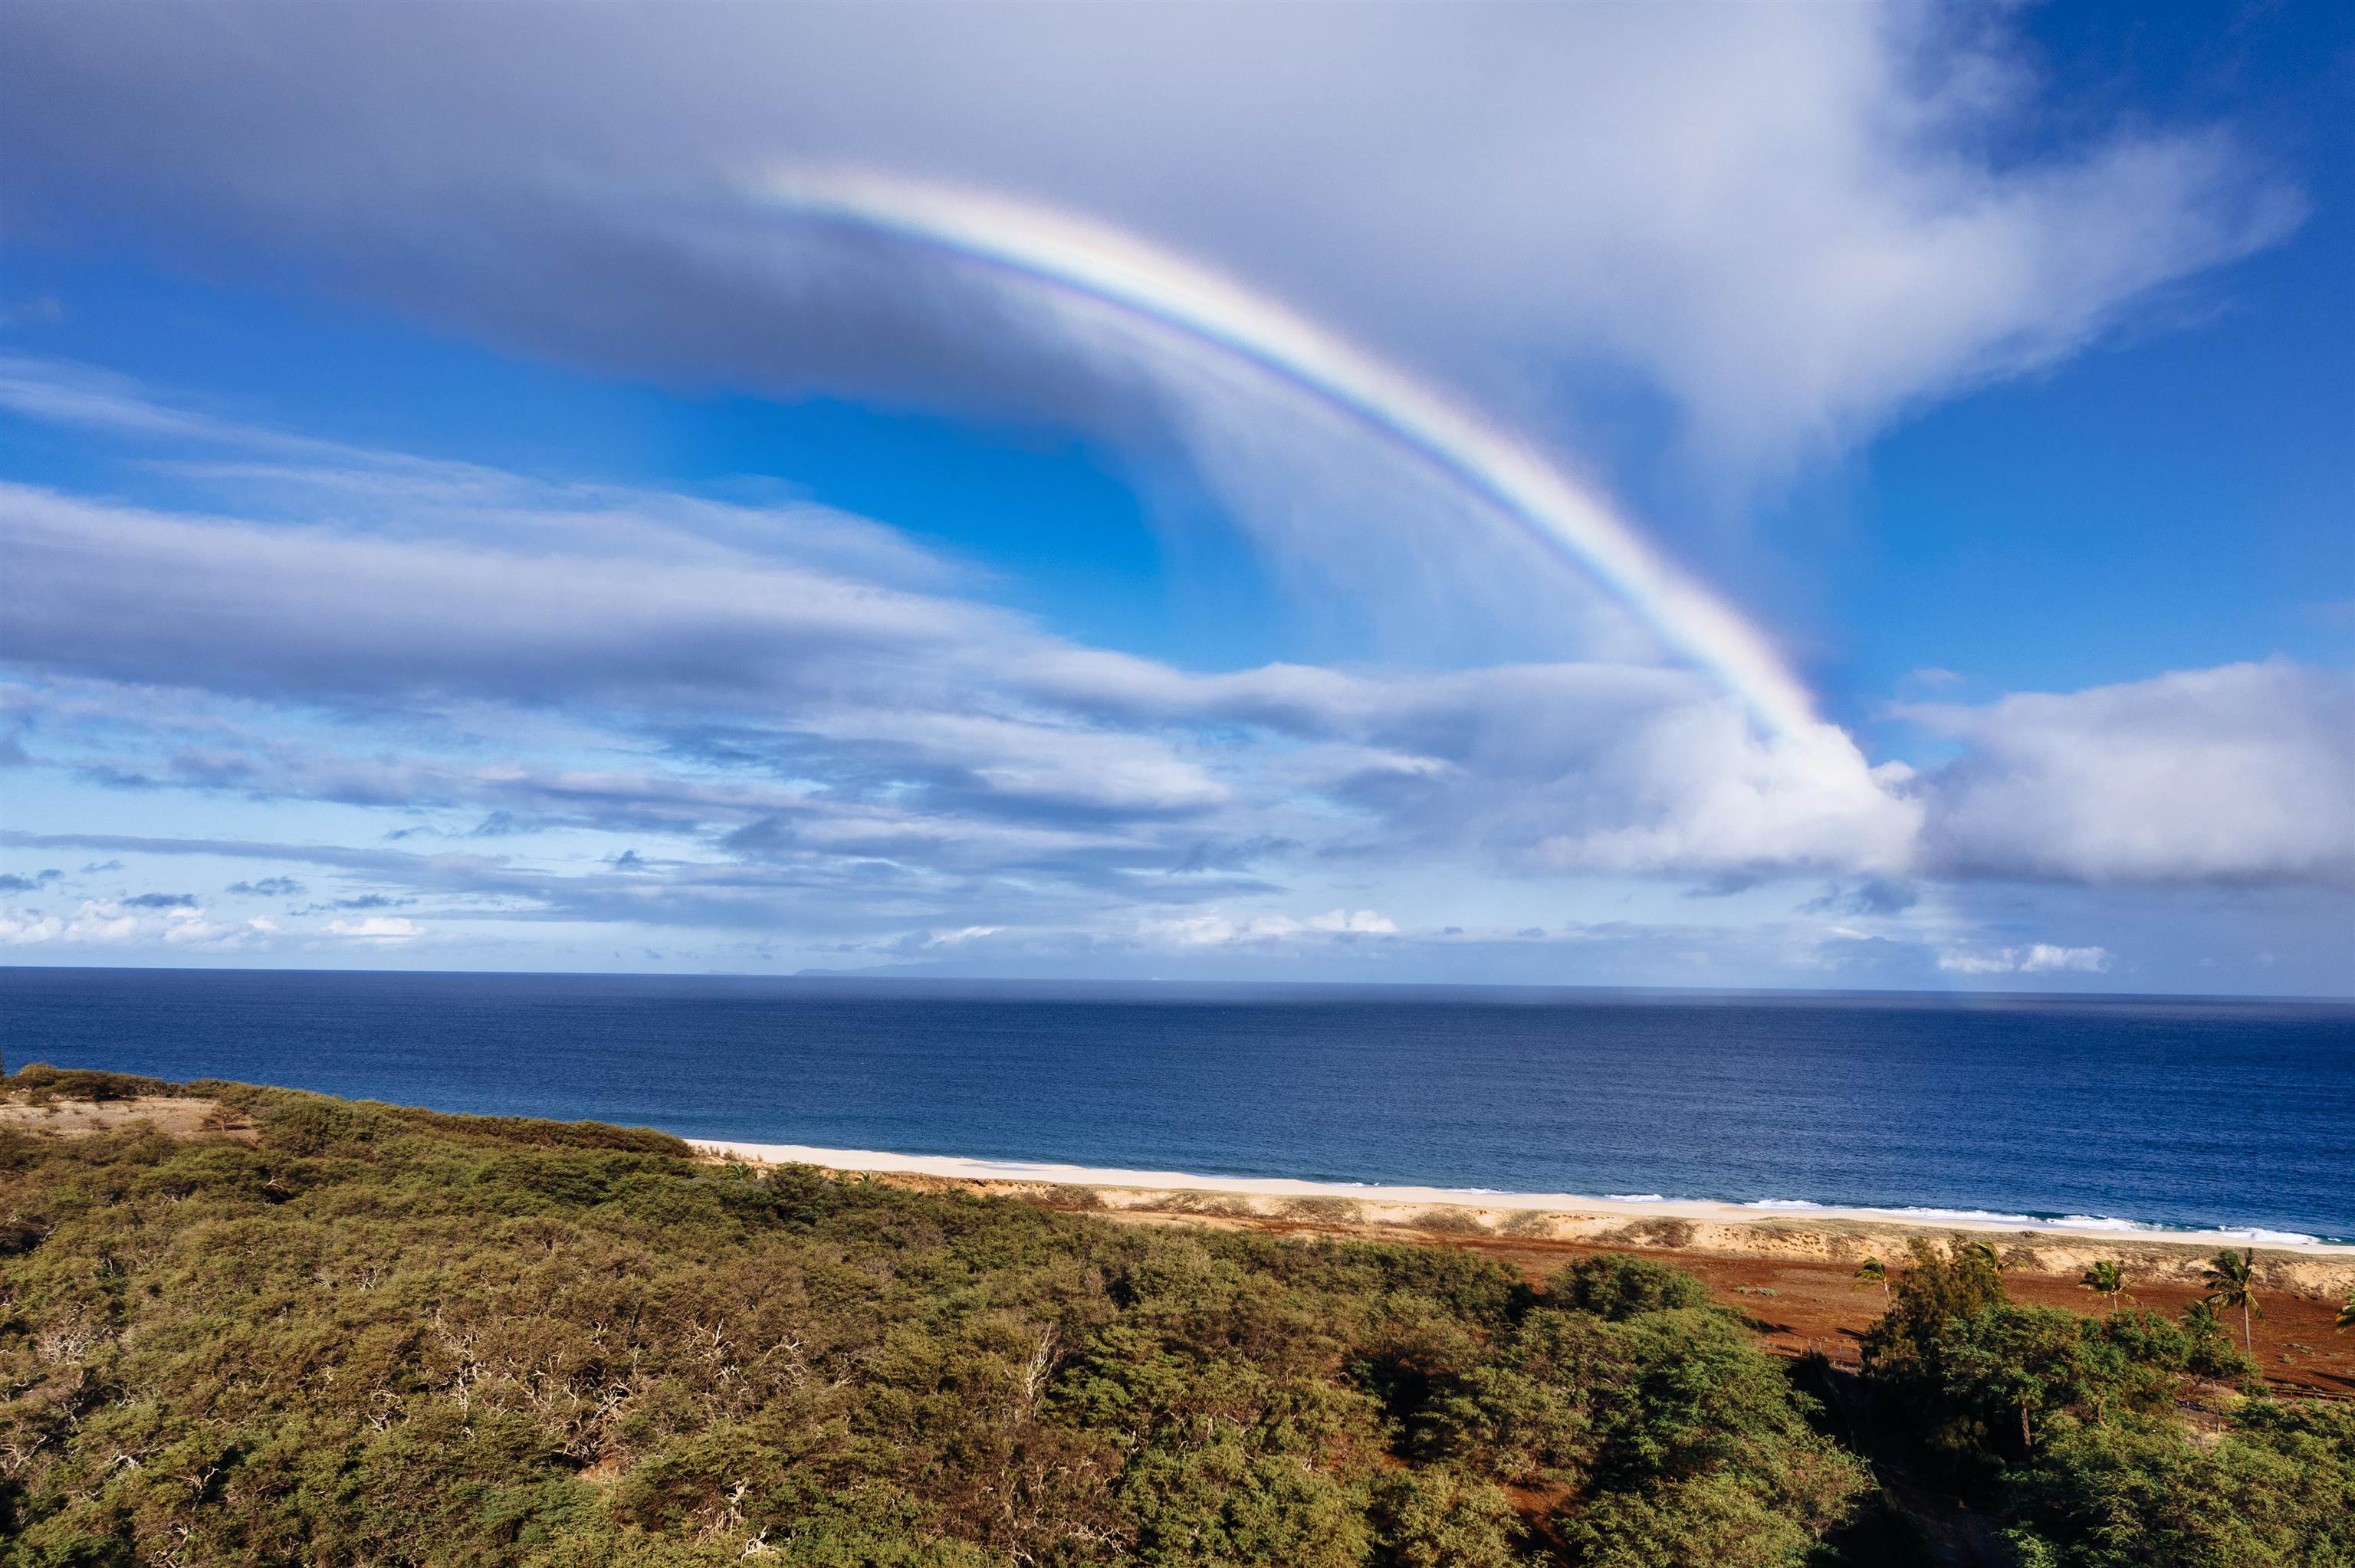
(887, 977)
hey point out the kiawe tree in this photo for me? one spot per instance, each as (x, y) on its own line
(2231, 1281)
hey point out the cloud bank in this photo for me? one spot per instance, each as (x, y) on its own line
(2243, 774)
(587, 706)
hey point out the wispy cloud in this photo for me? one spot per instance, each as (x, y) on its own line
(1810, 219)
(906, 716)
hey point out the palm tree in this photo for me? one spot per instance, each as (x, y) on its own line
(1872, 1271)
(2231, 1281)
(2346, 1313)
(2107, 1278)
(1986, 1253)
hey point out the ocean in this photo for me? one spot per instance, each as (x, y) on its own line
(2179, 1113)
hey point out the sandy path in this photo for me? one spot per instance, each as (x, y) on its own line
(172, 1114)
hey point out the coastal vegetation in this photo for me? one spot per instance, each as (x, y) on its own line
(330, 1333)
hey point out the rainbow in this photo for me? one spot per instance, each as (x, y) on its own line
(1568, 519)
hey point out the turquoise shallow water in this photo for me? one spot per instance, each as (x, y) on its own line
(2190, 1113)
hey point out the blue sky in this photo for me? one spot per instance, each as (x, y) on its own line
(457, 517)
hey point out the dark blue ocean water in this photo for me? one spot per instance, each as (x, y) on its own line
(2181, 1112)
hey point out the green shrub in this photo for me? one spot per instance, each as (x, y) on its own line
(1441, 1517)
(1617, 1285)
(41, 1084)
(2277, 1491)
(1718, 1521)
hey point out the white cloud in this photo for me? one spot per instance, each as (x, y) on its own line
(1214, 930)
(99, 922)
(1362, 922)
(2034, 958)
(1563, 768)
(378, 928)
(30, 928)
(2243, 773)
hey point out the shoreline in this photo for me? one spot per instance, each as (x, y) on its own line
(1514, 1209)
